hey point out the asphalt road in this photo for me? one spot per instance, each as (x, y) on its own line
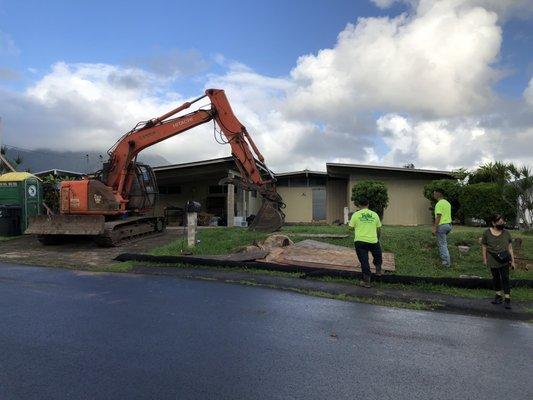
(67, 334)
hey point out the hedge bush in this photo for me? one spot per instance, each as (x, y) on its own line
(376, 193)
(482, 200)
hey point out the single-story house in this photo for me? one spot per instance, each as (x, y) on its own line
(310, 196)
(405, 186)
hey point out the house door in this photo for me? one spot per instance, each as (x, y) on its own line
(319, 204)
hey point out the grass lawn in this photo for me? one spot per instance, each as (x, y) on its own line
(415, 248)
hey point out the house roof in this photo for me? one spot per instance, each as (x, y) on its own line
(194, 164)
(56, 171)
(303, 172)
(214, 161)
(386, 168)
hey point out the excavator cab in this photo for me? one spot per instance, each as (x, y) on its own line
(144, 192)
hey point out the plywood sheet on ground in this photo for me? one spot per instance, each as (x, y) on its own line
(312, 253)
(320, 235)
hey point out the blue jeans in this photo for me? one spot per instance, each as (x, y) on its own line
(442, 240)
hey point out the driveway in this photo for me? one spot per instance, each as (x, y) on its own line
(82, 253)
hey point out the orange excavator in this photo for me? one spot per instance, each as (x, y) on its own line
(119, 203)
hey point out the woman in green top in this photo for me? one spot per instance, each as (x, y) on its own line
(497, 250)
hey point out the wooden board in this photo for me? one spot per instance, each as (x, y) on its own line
(312, 253)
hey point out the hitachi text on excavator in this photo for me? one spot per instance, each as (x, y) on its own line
(119, 203)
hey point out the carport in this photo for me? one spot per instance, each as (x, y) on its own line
(198, 181)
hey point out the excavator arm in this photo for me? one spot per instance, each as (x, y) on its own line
(119, 172)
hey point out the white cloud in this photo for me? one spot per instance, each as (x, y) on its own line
(173, 63)
(434, 143)
(437, 61)
(89, 106)
(452, 143)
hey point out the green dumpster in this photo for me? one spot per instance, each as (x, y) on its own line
(20, 198)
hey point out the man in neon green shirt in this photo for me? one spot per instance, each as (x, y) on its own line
(367, 228)
(442, 225)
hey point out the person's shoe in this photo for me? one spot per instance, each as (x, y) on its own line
(508, 304)
(366, 281)
(379, 270)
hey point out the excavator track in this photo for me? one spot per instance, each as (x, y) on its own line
(119, 232)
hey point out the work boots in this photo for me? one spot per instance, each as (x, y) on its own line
(366, 281)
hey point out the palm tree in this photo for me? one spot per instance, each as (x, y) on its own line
(520, 190)
(496, 172)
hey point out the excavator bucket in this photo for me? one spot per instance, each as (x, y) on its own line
(66, 225)
(268, 218)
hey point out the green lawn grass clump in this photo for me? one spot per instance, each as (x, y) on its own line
(212, 241)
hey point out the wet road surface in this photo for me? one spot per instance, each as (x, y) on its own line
(78, 335)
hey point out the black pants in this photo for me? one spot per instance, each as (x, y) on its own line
(500, 278)
(362, 249)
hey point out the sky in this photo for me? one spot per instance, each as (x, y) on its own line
(441, 84)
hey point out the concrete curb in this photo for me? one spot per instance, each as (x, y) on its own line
(435, 301)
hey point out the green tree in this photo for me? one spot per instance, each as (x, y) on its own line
(452, 190)
(461, 174)
(376, 193)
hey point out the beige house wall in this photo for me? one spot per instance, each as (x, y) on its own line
(407, 204)
(299, 203)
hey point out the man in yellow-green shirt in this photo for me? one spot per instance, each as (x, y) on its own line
(367, 226)
(442, 225)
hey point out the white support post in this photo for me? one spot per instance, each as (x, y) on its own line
(192, 224)
(230, 204)
(346, 213)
